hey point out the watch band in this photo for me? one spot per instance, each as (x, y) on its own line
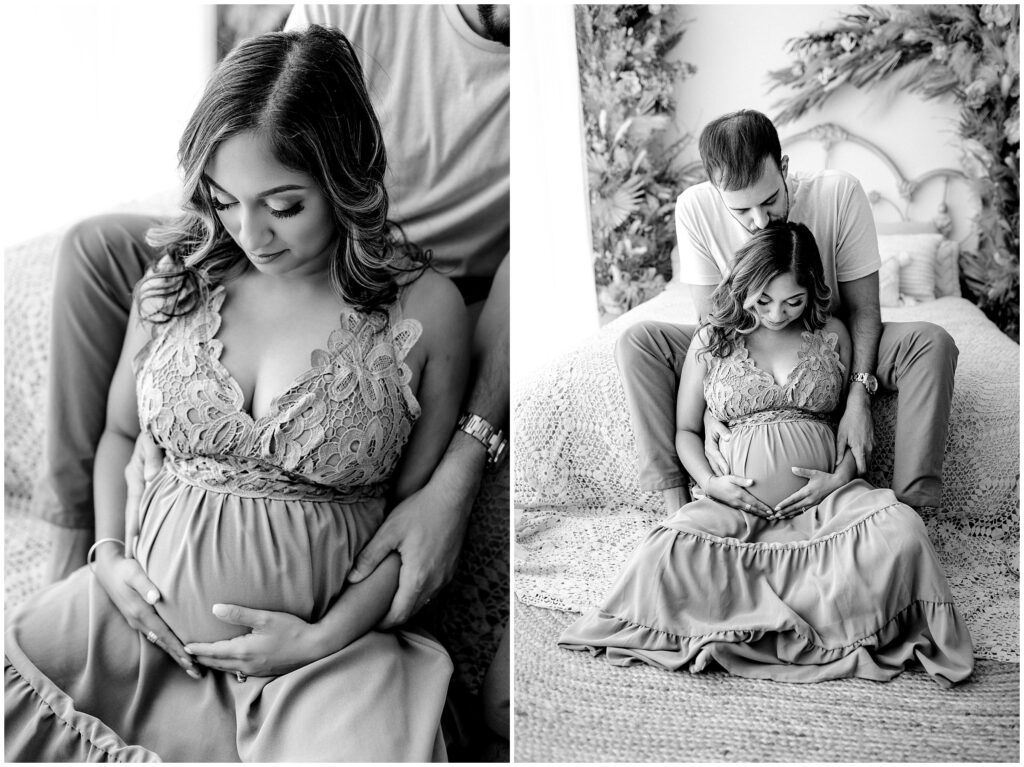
(491, 438)
(869, 381)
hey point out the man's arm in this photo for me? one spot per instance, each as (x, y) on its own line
(427, 528)
(863, 319)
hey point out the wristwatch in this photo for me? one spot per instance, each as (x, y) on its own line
(493, 439)
(869, 381)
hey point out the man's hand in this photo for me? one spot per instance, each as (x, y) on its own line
(278, 643)
(856, 432)
(426, 529)
(714, 433)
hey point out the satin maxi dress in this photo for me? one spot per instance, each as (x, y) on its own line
(850, 588)
(267, 513)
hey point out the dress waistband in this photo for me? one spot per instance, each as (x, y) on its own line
(779, 416)
(250, 479)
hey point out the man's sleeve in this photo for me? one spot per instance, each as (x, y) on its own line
(857, 242)
(696, 264)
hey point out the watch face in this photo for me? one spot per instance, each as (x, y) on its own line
(869, 381)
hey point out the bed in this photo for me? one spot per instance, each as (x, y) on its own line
(475, 608)
(579, 512)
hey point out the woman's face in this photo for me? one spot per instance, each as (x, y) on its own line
(277, 216)
(781, 302)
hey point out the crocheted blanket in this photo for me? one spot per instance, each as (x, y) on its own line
(579, 510)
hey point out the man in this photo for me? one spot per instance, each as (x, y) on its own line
(439, 78)
(749, 186)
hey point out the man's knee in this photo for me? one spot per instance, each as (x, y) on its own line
(634, 344)
(929, 344)
(663, 343)
(107, 250)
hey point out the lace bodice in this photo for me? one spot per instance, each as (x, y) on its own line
(335, 433)
(736, 389)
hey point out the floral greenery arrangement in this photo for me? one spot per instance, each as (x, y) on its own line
(968, 52)
(626, 83)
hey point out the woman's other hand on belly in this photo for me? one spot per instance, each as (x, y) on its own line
(732, 491)
(820, 484)
(278, 643)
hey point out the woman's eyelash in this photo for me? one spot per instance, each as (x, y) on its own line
(286, 213)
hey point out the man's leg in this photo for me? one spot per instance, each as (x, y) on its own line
(918, 361)
(650, 357)
(98, 263)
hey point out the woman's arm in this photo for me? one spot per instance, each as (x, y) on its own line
(280, 642)
(730, 489)
(122, 577)
(429, 525)
(690, 407)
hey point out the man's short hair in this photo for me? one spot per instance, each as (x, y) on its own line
(733, 148)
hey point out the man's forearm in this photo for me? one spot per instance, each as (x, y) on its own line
(489, 390)
(865, 329)
(462, 467)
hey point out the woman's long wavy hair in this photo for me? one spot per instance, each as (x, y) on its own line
(779, 248)
(304, 93)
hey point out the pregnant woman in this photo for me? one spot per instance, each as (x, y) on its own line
(279, 354)
(789, 568)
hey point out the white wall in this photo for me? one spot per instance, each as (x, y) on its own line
(735, 46)
(95, 98)
(554, 305)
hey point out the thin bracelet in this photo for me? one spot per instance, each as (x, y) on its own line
(90, 557)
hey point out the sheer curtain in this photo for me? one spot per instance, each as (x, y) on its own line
(553, 300)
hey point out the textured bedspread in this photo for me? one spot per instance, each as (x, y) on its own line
(579, 510)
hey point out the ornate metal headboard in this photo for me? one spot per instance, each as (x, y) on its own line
(829, 135)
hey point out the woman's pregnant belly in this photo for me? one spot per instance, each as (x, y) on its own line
(767, 453)
(201, 548)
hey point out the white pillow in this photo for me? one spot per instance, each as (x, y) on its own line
(918, 254)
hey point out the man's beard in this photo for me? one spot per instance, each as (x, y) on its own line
(497, 29)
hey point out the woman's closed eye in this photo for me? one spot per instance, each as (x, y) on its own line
(795, 303)
(275, 212)
(285, 212)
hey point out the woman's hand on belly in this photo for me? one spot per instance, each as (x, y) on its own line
(134, 596)
(732, 491)
(278, 643)
(820, 484)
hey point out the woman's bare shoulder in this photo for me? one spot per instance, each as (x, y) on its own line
(836, 326)
(433, 300)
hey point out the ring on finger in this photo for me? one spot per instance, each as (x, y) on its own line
(152, 637)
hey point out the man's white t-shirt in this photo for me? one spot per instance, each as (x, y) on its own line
(831, 203)
(441, 93)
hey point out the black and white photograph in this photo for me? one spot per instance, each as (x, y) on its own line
(766, 497)
(257, 383)
(298, 467)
